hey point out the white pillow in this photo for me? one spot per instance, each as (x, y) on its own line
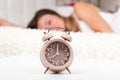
(106, 16)
(64, 10)
(85, 27)
(115, 22)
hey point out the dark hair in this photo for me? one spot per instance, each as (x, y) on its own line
(33, 23)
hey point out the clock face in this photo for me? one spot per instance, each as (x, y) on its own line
(57, 53)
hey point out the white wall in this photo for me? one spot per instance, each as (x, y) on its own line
(105, 5)
(112, 5)
(21, 11)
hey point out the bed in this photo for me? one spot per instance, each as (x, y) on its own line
(96, 55)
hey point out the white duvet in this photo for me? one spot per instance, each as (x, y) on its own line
(96, 56)
(17, 41)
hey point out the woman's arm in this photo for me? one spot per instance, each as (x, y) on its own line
(6, 23)
(90, 14)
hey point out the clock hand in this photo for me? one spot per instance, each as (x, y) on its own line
(54, 56)
(57, 50)
(56, 53)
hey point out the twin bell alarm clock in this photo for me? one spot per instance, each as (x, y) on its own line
(56, 53)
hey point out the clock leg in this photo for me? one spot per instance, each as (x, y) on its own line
(46, 70)
(68, 70)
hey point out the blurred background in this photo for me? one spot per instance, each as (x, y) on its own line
(21, 11)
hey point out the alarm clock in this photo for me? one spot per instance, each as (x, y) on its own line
(56, 53)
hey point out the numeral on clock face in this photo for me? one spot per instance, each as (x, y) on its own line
(49, 59)
(47, 54)
(53, 62)
(62, 62)
(56, 63)
(49, 50)
(67, 54)
(65, 58)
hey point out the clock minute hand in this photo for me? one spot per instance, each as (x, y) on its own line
(57, 50)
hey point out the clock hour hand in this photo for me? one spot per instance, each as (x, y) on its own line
(53, 56)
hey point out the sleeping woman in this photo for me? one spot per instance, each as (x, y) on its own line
(46, 19)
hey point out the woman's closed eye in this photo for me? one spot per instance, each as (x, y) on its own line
(48, 22)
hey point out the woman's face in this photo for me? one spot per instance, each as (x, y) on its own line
(50, 21)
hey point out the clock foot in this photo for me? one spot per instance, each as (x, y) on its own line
(68, 70)
(46, 70)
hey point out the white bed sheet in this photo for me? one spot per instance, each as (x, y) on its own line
(96, 56)
(29, 67)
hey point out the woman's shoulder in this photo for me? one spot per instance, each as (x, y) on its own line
(84, 6)
(82, 9)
